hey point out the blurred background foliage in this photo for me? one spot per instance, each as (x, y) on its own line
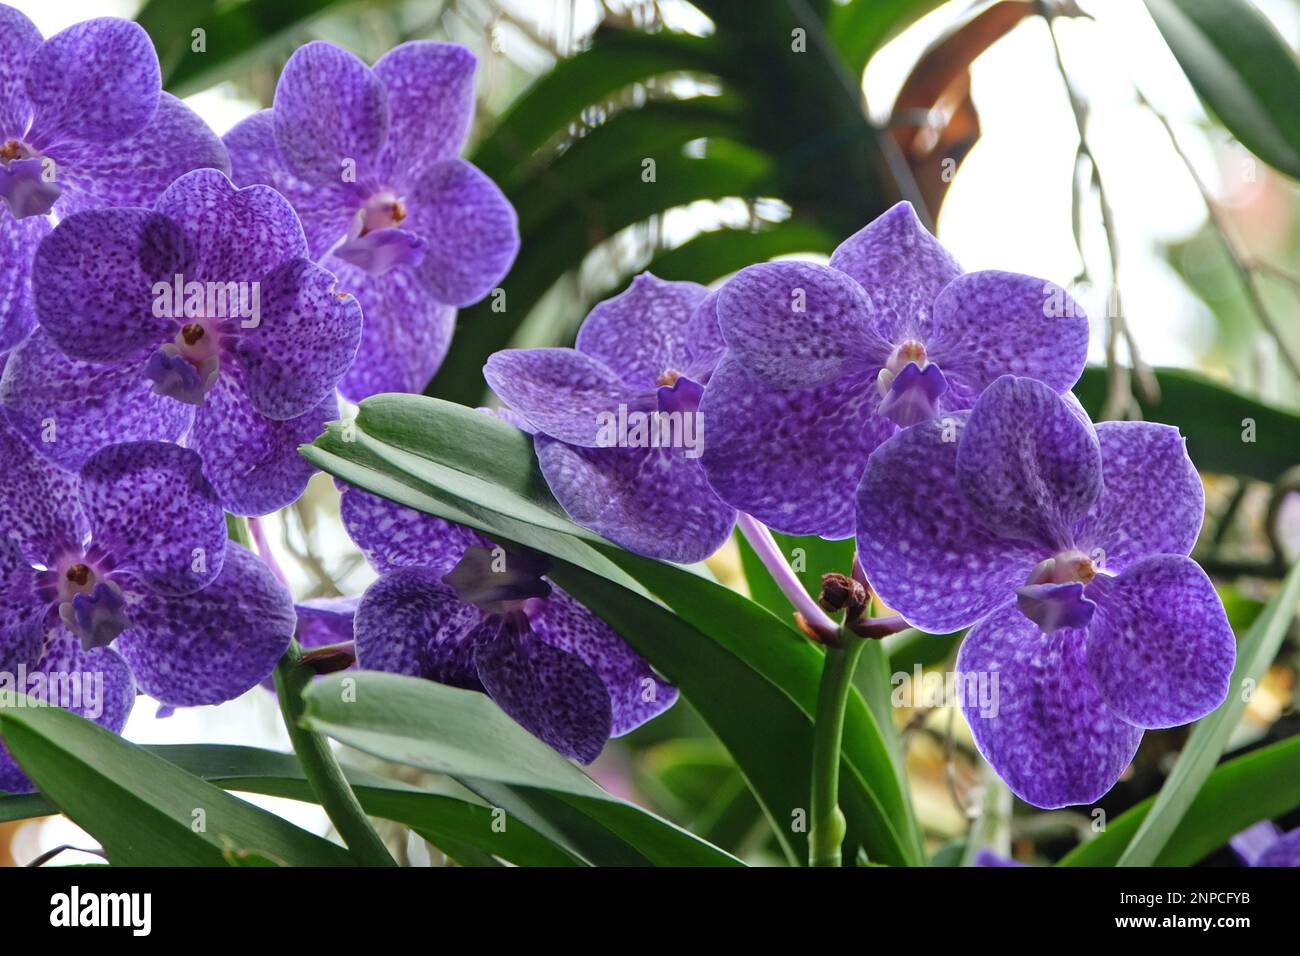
(763, 144)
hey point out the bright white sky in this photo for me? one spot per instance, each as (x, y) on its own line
(1008, 208)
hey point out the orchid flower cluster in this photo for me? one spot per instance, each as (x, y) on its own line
(179, 312)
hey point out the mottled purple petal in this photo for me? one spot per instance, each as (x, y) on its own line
(150, 506)
(19, 40)
(902, 267)
(1028, 466)
(550, 692)
(653, 501)
(1052, 739)
(237, 235)
(304, 342)
(93, 282)
(1285, 852)
(791, 458)
(704, 341)
(19, 239)
(39, 507)
(471, 229)
(134, 171)
(1152, 500)
(924, 551)
(989, 324)
(251, 460)
(799, 325)
(326, 208)
(410, 623)
(643, 331)
(326, 620)
(394, 536)
(329, 109)
(563, 393)
(97, 684)
(22, 612)
(430, 88)
(94, 82)
(67, 409)
(636, 693)
(211, 646)
(405, 333)
(1160, 650)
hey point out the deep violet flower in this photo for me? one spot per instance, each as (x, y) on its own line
(1264, 844)
(368, 157)
(1066, 547)
(642, 360)
(83, 124)
(126, 569)
(825, 362)
(450, 607)
(244, 373)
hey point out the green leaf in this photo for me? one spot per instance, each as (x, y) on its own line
(141, 808)
(751, 677)
(234, 34)
(1205, 744)
(465, 735)
(1242, 68)
(711, 255)
(444, 820)
(1260, 785)
(1213, 417)
(859, 27)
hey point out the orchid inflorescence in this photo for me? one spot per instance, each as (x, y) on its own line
(177, 319)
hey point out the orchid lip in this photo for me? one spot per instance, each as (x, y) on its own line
(188, 367)
(912, 395)
(1057, 593)
(25, 185)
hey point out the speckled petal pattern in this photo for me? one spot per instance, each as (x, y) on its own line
(211, 646)
(1160, 650)
(430, 87)
(644, 330)
(19, 40)
(923, 550)
(563, 393)
(22, 613)
(551, 693)
(1052, 739)
(150, 506)
(1028, 466)
(1152, 500)
(19, 239)
(40, 510)
(394, 536)
(653, 501)
(799, 325)
(790, 458)
(902, 267)
(326, 620)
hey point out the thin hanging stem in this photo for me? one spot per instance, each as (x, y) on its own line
(769, 552)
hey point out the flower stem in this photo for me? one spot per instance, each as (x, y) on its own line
(769, 552)
(322, 770)
(826, 825)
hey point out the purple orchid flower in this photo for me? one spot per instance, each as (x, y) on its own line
(368, 157)
(201, 319)
(1264, 844)
(451, 607)
(83, 124)
(617, 420)
(825, 362)
(125, 570)
(1066, 547)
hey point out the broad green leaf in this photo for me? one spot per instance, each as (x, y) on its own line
(440, 818)
(712, 255)
(1213, 418)
(465, 735)
(1242, 68)
(234, 33)
(859, 27)
(753, 679)
(1260, 785)
(143, 810)
(1205, 744)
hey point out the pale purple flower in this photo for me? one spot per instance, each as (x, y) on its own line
(617, 420)
(368, 157)
(1265, 844)
(1066, 547)
(84, 124)
(825, 362)
(125, 570)
(451, 607)
(243, 374)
